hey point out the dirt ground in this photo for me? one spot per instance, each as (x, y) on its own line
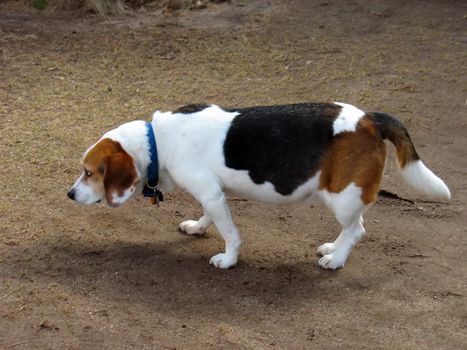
(74, 277)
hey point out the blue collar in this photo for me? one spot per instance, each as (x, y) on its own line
(150, 188)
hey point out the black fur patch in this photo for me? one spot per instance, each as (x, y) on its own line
(193, 108)
(280, 144)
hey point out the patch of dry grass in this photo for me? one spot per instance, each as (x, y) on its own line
(119, 7)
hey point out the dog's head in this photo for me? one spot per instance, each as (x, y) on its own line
(108, 172)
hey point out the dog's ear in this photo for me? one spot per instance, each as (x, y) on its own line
(120, 178)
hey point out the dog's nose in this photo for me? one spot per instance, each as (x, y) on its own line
(71, 194)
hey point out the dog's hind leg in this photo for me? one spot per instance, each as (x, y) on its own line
(193, 227)
(348, 209)
(351, 233)
(328, 248)
(350, 176)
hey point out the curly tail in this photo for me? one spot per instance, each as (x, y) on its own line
(414, 172)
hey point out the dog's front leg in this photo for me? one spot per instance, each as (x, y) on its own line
(215, 206)
(193, 227)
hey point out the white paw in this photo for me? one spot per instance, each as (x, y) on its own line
(331, 261)
(327, 248)
(191, 227)
(223, 260)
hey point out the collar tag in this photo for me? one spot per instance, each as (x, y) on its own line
(153, 192)
(156, 197)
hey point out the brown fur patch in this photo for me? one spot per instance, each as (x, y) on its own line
(113, 169)
(356, 157)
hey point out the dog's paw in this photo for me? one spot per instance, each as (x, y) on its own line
(223, 261)
(331, 262)
(326, 248)
(191, 227)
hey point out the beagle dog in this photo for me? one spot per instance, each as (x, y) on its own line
(299, 153)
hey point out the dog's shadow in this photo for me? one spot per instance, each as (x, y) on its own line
(153, 275)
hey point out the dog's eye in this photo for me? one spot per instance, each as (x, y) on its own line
(87, 173)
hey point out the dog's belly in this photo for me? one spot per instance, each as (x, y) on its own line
(239, 183)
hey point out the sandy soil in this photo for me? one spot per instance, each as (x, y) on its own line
(75, 277)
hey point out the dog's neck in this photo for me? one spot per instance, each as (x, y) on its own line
(133, 137)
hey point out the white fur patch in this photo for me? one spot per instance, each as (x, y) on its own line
(238, 182)
(123, 198)
(347, 119)
(424, 180)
